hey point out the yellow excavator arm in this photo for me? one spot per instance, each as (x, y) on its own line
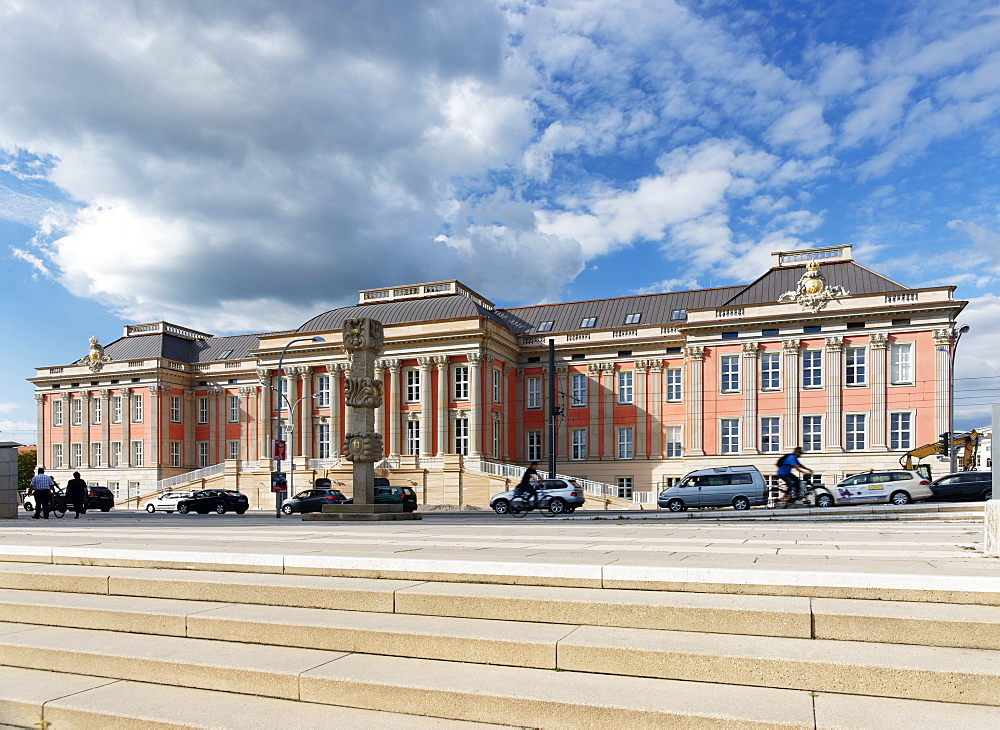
(968, 442)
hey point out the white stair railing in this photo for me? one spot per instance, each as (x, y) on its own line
(208, 471)
(512, 471)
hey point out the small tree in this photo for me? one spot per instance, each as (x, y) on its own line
(26, 461)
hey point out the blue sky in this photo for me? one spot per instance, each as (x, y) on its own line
(242, 166)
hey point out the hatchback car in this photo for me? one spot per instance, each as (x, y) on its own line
(567, 496)
(100, 498)
(387, 494)
(167, 502)
(219, 501)
(738, 486)
(895, 486)
(312, 500)
(964, 486)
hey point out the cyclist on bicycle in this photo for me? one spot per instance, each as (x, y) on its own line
(787, 466)
(526, 487)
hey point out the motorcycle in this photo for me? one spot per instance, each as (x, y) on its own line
(520, 505)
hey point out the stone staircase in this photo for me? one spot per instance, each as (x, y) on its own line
(108, 646)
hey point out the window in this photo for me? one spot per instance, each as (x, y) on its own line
(812, 329)
(137, 408)
(323, 390)
(855, 325)
(770, 370)
(545, 326)
(674, 442)
(625, 378)
(578, 390)
(76, 411)
(57, 456)
(203, 410)
(462, 436)
(679, 314)
(116, 409)
(854, 432)
(234, 409)
(116, 453)
(624, 487)
(770, 333)
(900, 433)
(534, 445)
(625, 443)
(633, 318)
(770, 435)
(96, 454)
(412, 381)
(175, 409)
(412, 438)
(900, 322)
(460, 377)
(175, 453)
(137, 453)
(730, 373)
(588, 322)
(534, 392)
(674, 388)
(57, 412)
(578, 448)
(202, 454)
(496, 385)
(76, 455)
(233, 449)
(496, 439)
(225, 354)
(812, 433)
(323, 441)
(730, 335)
(730, 436)
(856, 372)
(812, 369)
(96, 416)
(901, 359)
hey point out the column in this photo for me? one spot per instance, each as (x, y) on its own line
(126, 396)
(695, 399)
(519, 402)
(67, 420)
(263, 415)
(85, 416)
(41, 420)
(476, 402)
(562, 386)
(393, 389)
(380, 409)
(155, 415)
(641, 408)
(790, 365)
(306, 411)
(247, 441)
(943, 342)
(336, 399)
(214, 396)
(878, 347)
(426, 405)
(188, 456)
(656, 401)
(293, 394)
(441, 361)
(834, 404)
(608, 371)
(749, 439)
(593, 412)
(507, 407)
(103, 403)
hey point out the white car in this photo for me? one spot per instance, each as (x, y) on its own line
(895, 486)
(167, 502)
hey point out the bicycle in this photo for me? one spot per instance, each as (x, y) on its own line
(520, 507)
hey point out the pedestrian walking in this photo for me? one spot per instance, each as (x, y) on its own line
(787, 466)
(41, 487)
(76, 492)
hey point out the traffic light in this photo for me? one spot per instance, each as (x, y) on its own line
(945, 443)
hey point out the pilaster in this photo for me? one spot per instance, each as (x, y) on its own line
(441, 362)
(879, 350)
(608, 382)
(751, 354)
(656, 401)
(641, 372)
(834, 404)
(476, 404)
(790, 374)
(695, 399)
(426, 406)
(395, 417)
(943, 342)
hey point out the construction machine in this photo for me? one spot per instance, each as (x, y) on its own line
(968, 442)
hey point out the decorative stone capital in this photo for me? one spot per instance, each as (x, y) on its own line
(413, 415)
(441, 361)
(943, 336)
(878, 341)
(791, 346)
(695, 353)
(191, 394)
(834, 344)
(497, 416)
(363, 333)
(425, 362)
(751, 349)
(562, 369)
(39, 397)
(120, 391)
(476, 358)
(393, 365)
(656, 366)
(519, 374)
(594, 368)
(363, 392)
(263, 373)
(364, 447)
(246, 391)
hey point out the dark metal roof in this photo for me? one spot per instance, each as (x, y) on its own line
(855, 278)
(406, 311)
(140, 347)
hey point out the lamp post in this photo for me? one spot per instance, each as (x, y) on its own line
(282, 396)
(951, 397)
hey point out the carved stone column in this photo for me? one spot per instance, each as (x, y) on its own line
(608, 371)
(790, 365)
(188, 456)
(336, 398)
(943, 342)
(562, 373)
(85, 416)
(750, 430)
(395, 416)
(215, 425)
(363, 445)
(306, 411)
(476, 404)
(879, 345)
(156, 413)
(379, 370)
(426, 406)
(834, 403)
(103, 403)
(441, 361)
(247, 441)
(126, 396)
(656, 401)
(263, 415)
(66, 421)
(519, 402)
(593, 409)
(641, 371)
(695, 357)
(43, 422)
(508, 412)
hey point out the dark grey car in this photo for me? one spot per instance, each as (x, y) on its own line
(966, 486)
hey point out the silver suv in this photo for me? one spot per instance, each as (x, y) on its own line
(566, 492)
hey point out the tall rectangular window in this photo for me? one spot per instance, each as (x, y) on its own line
(534, 392)
(496, 385)
(462, 436)
(770, 435)
(730, 436)
(624, 485)
(203, 454)
(175, 409)
(76, 455)
(770, 370)
(116, 453)
(203, 410)
(812, 433)
(856, 372)
(854, 432)
(578, 390)
(57, 412)
(323, 441)
(137, 453)
(412, 386)
(578, 449)
(116, 409)
(76, 411)
(625, 385)
(900, 431)
(812, 369)
(96, 415)
(323, 391)
(96, 454)
(234, 409)
(137, 408)
(626, 443)
(233, 449)
(901, 359)
(496, 439)
(57, 456)
(461, 380)
(534, 444)
(175, 453)
(412, 438)
(675, 448)
(674, 388)
(730, 369)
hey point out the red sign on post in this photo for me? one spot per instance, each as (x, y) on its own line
(280, 451)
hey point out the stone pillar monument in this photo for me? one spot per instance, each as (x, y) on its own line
(362, 445)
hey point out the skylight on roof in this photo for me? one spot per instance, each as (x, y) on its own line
(679, 314)
(633, 318)
(588, 322)
(226, 354)
(546, 326)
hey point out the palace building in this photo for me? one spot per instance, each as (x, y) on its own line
(819, 351)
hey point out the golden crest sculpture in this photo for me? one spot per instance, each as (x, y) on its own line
(813, 292)
(95, 357)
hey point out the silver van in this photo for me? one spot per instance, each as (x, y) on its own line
(740, 486)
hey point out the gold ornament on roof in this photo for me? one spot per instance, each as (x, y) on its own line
(95, 357)
(812, 291)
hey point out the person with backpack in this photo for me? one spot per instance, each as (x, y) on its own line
(787, 466)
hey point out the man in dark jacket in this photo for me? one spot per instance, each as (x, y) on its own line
(76, 492)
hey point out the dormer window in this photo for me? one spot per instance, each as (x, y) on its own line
(633, 318)
(226, 354)
(679, 314)
(588, 322)
(545, 326)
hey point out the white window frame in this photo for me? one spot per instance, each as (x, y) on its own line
(625, 486)
(675, 385)
(626, 387)
(413, 438)
(855, 366)
(460, 380)
(462, 436)
(812, 369)
(626, 443)
(729, 435)
(855, 431)
(203, 456)
(76, 412)
(233, 449)
(900, 434)
(76, 455)
(411, 379)
(57, 412)
(96, 454)
(497, 390)
(770, 371)
(323, 440)
(770, 434)
(137, 455)
(175, 409)
(234, 409)
(812, 433)
(202, 411)
(533, 390)
(578, 446)
(729, 373)
(497, 431)
(901, 363)
(137, 408)
(675, 442)
(175, 453)
(96, 415)
(116, 409)
(533, 443)
(323, 391)
(57, 456)
(578, 390)
(115, 458)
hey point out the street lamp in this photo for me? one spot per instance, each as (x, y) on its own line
(951, 397)
(282, 396)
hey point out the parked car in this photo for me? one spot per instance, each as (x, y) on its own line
(385, 493)
(312, 500)
(100, 498)
(741, 487)
(567, 496)
(220, 501)
(963, 487)
(895, 486)
(167, 502)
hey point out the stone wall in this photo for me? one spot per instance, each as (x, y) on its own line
(8, 481)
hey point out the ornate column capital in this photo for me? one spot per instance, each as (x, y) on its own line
(39, 397)
(393, 365)
(834, 344)
(425, 362)
(476, 358)
(608, 367)
(656, 366)
(190, 393)
(442, 361)
(695, 353)
(248, 390)
(120, 391)
(878, 341)
(751, 349)
(594, 368)
(519, 374)
(943, 336)
(791, 346)
(562, 369)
